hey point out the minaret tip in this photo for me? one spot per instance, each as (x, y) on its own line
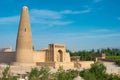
(24, 7)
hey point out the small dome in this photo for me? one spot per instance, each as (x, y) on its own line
(78, 78)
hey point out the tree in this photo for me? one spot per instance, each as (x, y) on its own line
(88, 75)
(34, 74)
(6, 75)
(96, 72)
(39, 74)
(99, 70)
(62, 74)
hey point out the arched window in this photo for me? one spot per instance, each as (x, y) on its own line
(25, 29)
(60, 56)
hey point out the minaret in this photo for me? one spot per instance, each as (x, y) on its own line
(24, 39)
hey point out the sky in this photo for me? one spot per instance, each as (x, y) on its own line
(79, 24)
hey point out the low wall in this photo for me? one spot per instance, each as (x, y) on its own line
(56, 65)
(65, 65)
(39, 56)
(7, 57)
(17, 69)
(85, 64)
(49, 64)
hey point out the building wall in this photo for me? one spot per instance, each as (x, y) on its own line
(65, 65)
(85, 64)
(56, 65)
(39, 56)
(67, 57)
(51, 53)
(7, 57)
(99, 56)
(57, 53)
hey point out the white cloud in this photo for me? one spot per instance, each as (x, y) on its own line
(45, 17)
(97, 1)
(49, 17)
(41, 17)
(75, 12)
(118, 18)
(9, 20)
(88, 35)
(45, 14)
(51, 22)
(61, 22)
(101, 30)
(102, 36)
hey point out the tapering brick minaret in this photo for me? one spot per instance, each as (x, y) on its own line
(24, 39)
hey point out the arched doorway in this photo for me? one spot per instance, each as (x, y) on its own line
(60, 56)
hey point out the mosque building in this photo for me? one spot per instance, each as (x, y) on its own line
(53, 56)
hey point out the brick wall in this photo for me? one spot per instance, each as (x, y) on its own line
(7, 57)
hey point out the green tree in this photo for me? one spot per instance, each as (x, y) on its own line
(44, 72)
(62, 74)
(96, 72)
(34, 74)
(99, 70)
(5, 73)
(39, 74)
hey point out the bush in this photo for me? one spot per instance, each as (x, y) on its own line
(6, 75)
(39, 74)
(117, 62)
(62, 74)
(113, 57)
(98, 72)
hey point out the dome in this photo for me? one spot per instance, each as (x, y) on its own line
(78, 78)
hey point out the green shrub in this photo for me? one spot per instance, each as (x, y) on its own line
(113, 57)
(118, 62)
(39, 74)
(97, 72)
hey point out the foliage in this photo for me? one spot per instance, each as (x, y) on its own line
(118, 62)
(39, 74)
(111, 53)
(113, 77)
(98, 72)
(6, 75)
(84, 55)
(113, 57)
(87, 75)
(62, 74)
(34, 74)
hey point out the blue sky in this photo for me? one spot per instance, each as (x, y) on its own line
(80, 24)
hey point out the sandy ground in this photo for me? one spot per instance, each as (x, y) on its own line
(112, 68)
